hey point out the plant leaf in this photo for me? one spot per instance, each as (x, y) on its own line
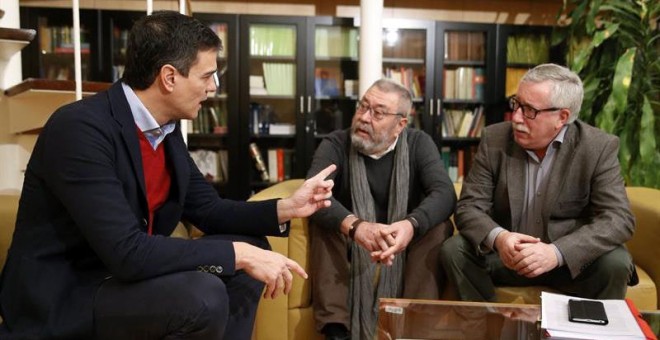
(646, 134)
(622, 78)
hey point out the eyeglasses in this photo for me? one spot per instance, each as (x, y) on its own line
(376, 113)
(528, 111)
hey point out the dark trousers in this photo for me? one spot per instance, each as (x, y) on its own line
(183, 305)
(475, 276)
(330, 271)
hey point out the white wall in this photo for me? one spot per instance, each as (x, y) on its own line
(13, 155)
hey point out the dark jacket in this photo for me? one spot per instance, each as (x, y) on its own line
(82, 218)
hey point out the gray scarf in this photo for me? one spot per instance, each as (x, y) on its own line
(363, 301)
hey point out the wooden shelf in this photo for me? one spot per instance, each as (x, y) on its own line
(13, 40)
(32, 101)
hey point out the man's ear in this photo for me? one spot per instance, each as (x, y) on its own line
(564, 114)
(167, 77)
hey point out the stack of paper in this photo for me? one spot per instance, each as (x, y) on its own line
(622, 322)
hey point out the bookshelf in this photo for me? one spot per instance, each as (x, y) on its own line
(50, 56)
(272, 98)
(519, 49)
(213, 137)
(465, 82)
(287, 81)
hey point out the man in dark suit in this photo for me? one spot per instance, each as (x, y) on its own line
(109, 179)
(544, 202)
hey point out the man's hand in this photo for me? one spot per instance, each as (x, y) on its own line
(369, 237)
(269, 267)
(312, 195)
(534, 259)
(397, 235)
(506, 243)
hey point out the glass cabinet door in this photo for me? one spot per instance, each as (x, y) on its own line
(213, 135)
(465, 80)
(406, 57)
(333, 75)
(272, 93)
(521, 48)
(51, 55)
(115, 28)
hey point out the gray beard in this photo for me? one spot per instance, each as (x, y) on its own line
(365, 146)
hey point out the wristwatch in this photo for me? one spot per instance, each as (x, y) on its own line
(353, 228)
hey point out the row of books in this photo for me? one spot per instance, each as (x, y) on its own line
(278, 80)
(464, 83)
(210, 119)
(220, 30)
(463, 123)
(465, 46)
(269, 40)
(410, 44)
(336, 42)
(59, 39)
(278, 164)
(264, 121)
(457, 161)
(530, 49)
(212, 164)
(513, 76)
(407, 77)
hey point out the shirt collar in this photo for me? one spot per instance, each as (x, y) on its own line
(390, 148)
(144, 120)
(559, 139)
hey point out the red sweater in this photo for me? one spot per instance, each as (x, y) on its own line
(156, 176)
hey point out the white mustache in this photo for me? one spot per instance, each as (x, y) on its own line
(520, 128)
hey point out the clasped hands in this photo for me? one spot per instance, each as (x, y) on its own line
(384, 241)
(524, 254)
(274, 269)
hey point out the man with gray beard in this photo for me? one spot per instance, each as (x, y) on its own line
(381, 235)
(544, 202)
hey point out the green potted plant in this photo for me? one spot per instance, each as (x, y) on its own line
(614, 45)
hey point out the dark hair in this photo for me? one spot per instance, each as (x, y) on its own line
(165, 37)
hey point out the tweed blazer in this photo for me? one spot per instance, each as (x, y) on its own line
(586, 212)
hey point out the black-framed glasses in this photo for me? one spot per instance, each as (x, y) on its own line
(527, 110)
(377, 113)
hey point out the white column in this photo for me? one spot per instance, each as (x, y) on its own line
(11, 74)
(77, 59)
(184, 122)
(371, 43)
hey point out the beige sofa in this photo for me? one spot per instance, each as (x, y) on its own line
(290, 317)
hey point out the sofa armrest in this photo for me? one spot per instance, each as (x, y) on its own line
(644, 244)
(275, 316)
(8, 210)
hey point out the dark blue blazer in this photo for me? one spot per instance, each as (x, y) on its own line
(82, 218)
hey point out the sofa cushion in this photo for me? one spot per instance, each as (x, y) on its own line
(8, 210)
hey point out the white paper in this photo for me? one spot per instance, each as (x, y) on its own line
(554, 319)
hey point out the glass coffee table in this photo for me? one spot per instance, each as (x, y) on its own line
(431, 319)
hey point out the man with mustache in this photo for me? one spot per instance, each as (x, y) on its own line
(382, 233)
(544, 202)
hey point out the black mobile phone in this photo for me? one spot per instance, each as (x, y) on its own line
(587, 311)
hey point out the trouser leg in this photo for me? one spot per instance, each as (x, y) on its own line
(606, 278)
(191, 305)
(244, 296)
(423, 274)
(466, 270)
(329, 272)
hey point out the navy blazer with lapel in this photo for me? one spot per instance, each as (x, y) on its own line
(586, 211)
(82, 218)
